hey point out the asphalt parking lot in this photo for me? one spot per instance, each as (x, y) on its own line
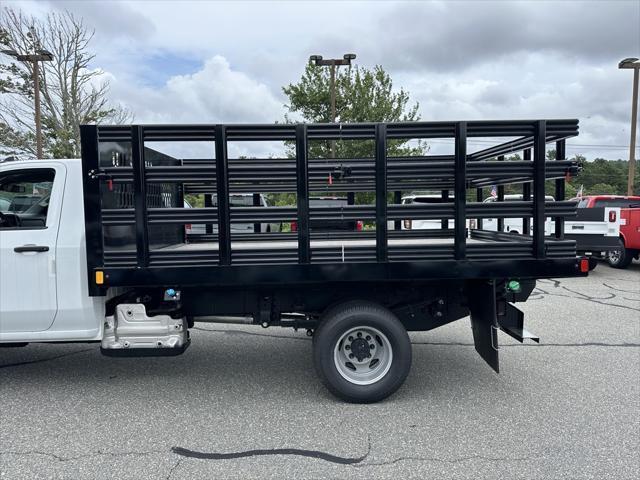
(567, 408)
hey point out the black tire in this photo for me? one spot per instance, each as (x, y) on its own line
(335, 323)
(593, 263)
(621, 258)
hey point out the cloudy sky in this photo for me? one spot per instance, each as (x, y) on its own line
(209, 62)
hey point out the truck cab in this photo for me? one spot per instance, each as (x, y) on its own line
(43, 256)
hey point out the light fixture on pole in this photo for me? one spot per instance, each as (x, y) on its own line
(632, 63)
(333, 63)
(38, 56)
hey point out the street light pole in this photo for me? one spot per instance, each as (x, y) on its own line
(333, 93)
(34, 58)
(36, 99)
(333, 63)
(634, 64)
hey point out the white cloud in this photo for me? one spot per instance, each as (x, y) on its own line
(461, 60)
(214, 94)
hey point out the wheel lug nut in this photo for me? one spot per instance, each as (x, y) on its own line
(351, 355)
(347, 347)
(359, 334)
(368, 337)
(372, 346)
(351, 339)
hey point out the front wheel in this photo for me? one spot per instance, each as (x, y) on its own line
(620, 258)
(361, 352)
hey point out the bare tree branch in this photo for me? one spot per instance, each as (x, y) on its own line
(72, 91)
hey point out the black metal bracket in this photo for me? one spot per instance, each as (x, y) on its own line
(341, 172)
(265, 314)
(512, 323)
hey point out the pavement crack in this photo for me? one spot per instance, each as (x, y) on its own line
(616, 289)
(175, 466)
(445, 460)
(48, 359)
(540, 293)
(327, 457)
(61, 458)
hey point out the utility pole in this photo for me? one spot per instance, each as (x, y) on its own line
(333, 63)
(36, 57)
(634, 64)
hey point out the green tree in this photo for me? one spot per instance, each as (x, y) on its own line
(362, 95)
(602, 189)
(72, 92)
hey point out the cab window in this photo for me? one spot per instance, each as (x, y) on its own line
(24, 198)
(615, 202)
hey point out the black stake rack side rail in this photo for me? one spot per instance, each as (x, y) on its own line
(275, 175)
(495, 256)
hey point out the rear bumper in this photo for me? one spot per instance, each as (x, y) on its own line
(594, 243)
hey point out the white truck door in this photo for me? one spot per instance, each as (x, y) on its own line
(30, 203)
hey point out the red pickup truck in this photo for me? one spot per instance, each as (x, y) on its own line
(629, 225)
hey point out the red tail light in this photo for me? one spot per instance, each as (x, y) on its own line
(359, 225)
(187, 227)
(612, 216)
(294, 226)
(584, 265)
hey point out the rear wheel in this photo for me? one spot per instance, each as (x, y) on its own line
(620, 258)
(361, 352)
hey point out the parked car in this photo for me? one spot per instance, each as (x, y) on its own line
(330, 225)
(629, 225)
(629, 238)
(514, 225)
(428, 224)
(236, 200)
(619, 210)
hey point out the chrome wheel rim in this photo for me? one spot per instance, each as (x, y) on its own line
(614, 256)
(363, 355)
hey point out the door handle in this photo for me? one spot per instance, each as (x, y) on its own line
(31, 248)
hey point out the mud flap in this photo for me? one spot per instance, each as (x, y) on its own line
(484, 320)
